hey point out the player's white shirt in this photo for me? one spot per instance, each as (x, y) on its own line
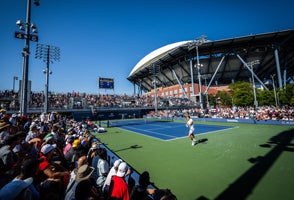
(190, 124)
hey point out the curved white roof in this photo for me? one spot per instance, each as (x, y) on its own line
(156, 55)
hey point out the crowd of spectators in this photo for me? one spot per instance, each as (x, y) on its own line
(82, 100)
(258, 113)
(78, 100)
(52, 156)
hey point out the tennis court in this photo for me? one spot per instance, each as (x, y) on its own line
(166, 130)
(237, 161)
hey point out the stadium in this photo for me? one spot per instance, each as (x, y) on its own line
(218, 62)
(236, 157)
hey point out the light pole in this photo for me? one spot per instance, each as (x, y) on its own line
(255, 62)
(47, 72)
(207, 102)
(197, 42)
(28, 28)
(274, 86)
(154, 70)
(15, 78)
(199, 80)
(49, 54)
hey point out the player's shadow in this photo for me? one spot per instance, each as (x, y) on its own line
(130, 147)
(204, 140)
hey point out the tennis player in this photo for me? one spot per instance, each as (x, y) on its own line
(190, 124)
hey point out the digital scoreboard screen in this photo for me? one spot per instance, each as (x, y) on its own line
(106, 83)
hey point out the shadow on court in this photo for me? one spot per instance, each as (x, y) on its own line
(244, 185)
(131, 147)
(204, 140)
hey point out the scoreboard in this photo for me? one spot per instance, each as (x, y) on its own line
(106, 83)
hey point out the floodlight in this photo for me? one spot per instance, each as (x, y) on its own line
(19, 22)
(33, 26)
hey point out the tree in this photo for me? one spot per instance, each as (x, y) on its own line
(224, 98)
(266, 97)
(242, 93)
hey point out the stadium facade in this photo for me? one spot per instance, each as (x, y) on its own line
(195, 66)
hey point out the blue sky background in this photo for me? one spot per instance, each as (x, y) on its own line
(108, 38)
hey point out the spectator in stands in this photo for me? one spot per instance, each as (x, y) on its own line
(142, 191)
(23, 181)
(118, 187)
(68, 151)
(33, 132)
(21, 148)
(168, 196)
(92, 154)
(84, 172)
(33, 147)
(78, 150)
(68, 144)
(8, 159)
(54, 130)
(2, 112)
(16, 189)
(12, 119)
(4, 131)
(72, 178)
(112, 172)
(86, 190)
(50, 172)
(27, 124)
(44, 129)
(102, 168)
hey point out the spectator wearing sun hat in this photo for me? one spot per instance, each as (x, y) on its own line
(33, 132)
(2, 112)
(118, 187)
(84, 172)
(4, 130)
(92, 153)
(12, 119)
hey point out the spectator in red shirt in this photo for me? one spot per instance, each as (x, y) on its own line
(118, 186)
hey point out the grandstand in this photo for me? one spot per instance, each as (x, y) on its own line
(220, 62)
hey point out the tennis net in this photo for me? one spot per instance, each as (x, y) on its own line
(138, 121)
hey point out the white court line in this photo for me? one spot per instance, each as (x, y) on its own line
(203, 133)
(156, 133)
(172, 137)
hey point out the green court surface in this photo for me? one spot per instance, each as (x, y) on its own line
(248, 162)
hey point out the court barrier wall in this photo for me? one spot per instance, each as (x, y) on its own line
(247, 121)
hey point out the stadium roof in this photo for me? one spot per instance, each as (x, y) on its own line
(222, 61)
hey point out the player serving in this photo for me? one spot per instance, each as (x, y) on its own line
(190, 124)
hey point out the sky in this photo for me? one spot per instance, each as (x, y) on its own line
(108, 38)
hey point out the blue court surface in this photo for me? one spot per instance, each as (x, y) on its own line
(172, 130)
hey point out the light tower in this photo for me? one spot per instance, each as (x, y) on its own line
(48, 54)
(27, 29)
